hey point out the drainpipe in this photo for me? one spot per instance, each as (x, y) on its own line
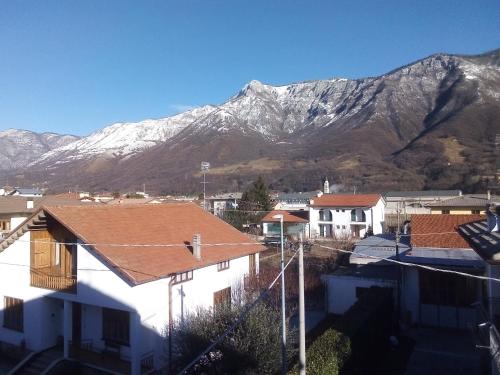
(170, 322)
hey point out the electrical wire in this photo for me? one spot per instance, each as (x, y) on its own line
(408, 264)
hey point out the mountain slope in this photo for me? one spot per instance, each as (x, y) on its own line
(428, 124)
(20, 147)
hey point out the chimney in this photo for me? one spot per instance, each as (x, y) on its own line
(197, 246)
(29, 204)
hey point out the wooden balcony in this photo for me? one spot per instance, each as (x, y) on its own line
(51, 278)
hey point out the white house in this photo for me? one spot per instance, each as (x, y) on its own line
(294, 223)
(346, 214)
(221, 202)
(109, 281)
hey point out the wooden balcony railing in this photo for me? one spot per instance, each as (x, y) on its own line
(44, 278)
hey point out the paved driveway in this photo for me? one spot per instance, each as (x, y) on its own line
(438, 352)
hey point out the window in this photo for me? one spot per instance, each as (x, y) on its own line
(445, 211)
(338, 226)
(4, 225)
(13, 315)
(222, 298)
(343, 226)
(475, 212)
(184, 276)
(343, 210)
(223, 265)
(116, 326)
(325, 215)
(337, 210)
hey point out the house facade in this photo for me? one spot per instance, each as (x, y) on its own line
(294, 224)
(110, 281)
(353, 215)
(466, 204)
(428, 298)
(221, 202)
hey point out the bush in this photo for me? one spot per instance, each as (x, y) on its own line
(327, 353)
(252, 348)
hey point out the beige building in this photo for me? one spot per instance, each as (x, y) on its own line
(464, 205)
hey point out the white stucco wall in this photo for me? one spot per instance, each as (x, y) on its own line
(99, 287)
(341, 290)
(341, 219)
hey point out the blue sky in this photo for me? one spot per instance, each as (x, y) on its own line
(77, 66)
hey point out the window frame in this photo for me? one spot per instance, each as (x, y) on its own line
(182, 277)
(224, 265)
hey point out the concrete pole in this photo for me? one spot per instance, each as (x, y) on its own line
(283, 316)
(302, 311)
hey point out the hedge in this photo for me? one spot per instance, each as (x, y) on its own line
(327, 354)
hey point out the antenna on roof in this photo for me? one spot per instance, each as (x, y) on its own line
(205, 166)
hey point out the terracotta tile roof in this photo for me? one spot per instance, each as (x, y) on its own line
(153, 225)
(288, 216)
(425, 227)
(346, 200)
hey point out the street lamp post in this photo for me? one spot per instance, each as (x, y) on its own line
(283, 317)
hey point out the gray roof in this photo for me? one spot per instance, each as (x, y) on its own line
(383, 246)
(380, 246)
(305, 196)
(27, 191)
(481, 239)
(467, 200)
(443, 257)
(225, 196)
(423, 193)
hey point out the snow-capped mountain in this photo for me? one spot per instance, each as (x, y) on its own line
(417, 122)
(20, 147)
(124, 138)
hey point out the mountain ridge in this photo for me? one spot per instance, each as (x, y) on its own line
(375, 121)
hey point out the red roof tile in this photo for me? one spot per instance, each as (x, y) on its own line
(288, 216)
(346, 200)
(439, 231)
(155, 225)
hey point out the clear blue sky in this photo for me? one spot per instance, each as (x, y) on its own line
(77, 66)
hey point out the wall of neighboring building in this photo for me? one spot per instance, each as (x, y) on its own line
(341, 290)
(458, 211)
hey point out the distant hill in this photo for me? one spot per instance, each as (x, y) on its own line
(429, 124)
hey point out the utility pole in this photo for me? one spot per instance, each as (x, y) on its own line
(302, 323)
(398, 303)
(283, 315)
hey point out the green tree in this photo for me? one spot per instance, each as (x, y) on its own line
(252, 207)
(256, 197)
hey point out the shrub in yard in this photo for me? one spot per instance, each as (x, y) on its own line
(327, 354)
